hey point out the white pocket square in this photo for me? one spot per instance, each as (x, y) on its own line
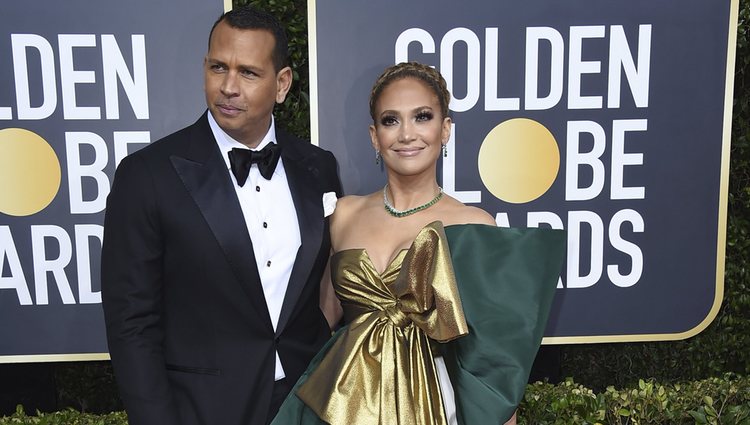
(329, 203)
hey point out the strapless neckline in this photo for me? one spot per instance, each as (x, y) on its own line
(366, 255)
(393, 260)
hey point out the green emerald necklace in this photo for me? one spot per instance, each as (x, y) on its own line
(399, 213)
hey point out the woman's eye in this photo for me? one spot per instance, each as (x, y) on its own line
(388, 120)
(424, 116)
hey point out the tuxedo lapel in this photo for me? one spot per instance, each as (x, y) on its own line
(302, 178)
(206, 178)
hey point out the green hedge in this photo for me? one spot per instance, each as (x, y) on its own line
(711, 401)
(65, 417)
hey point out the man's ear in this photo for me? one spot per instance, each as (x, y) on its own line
(283, 83)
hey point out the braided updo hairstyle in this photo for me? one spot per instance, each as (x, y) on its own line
(421, 72)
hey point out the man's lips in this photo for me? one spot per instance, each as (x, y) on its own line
(228, 110)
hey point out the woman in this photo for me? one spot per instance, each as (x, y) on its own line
(427, 340)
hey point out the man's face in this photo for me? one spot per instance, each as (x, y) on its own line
(241, 83)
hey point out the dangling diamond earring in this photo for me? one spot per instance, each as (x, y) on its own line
(445, 151)
(377, 157)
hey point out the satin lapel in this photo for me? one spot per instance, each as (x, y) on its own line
(206, 178)
(308, 203)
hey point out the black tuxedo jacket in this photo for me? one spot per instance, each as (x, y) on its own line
(189, 332)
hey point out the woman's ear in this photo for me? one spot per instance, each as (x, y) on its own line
(374, 138)
(445, 133)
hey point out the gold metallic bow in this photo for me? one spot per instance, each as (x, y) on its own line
(381, 370)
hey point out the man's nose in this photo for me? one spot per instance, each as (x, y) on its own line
(229, 86)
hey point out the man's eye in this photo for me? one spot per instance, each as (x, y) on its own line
(248, 73)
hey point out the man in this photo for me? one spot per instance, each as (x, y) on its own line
(211, 267)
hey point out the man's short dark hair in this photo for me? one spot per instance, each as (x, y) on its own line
(251, 18)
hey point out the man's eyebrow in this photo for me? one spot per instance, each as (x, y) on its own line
(216, 61)
(252, 68)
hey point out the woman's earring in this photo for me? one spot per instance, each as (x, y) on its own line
(445, 151)
(377, 157)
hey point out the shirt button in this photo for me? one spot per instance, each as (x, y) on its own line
(268, 264)
(257, 188)
(265, 225)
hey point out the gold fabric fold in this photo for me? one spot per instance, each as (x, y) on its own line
(381, 370)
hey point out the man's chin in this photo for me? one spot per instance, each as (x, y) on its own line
(227, 123)
(236, 132)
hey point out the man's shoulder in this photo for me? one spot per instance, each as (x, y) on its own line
(175, 142)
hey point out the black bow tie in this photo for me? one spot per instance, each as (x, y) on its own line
(242, 159)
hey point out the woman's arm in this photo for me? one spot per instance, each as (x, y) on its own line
(329, 303)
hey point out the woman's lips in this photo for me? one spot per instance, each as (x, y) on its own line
(408, 152)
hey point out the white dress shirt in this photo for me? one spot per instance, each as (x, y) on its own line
(271, 220)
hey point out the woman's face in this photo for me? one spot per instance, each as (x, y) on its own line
(409, 128)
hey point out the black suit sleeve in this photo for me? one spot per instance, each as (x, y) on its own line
(332, 166)
(132, 295)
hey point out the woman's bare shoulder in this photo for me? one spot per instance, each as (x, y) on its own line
(350, 211)
(351, 204)
(351, 207)
(346, 202)
(459, 213)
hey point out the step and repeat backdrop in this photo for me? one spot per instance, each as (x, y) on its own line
(608, 119)
(83, 84)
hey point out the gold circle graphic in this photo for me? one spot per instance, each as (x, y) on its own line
(29, 172)
(519, 160)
